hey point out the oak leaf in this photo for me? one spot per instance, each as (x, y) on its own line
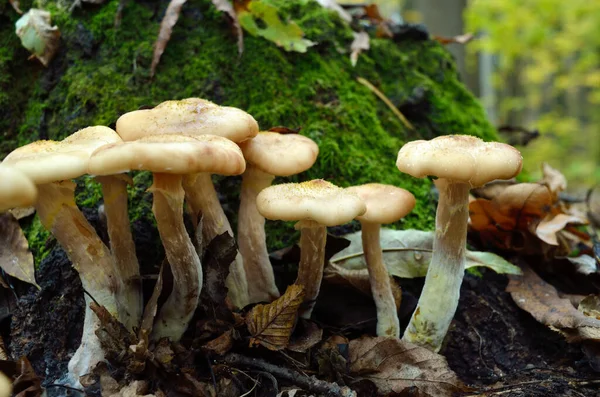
(272, 325)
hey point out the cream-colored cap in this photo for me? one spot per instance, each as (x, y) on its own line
(460, 158)
(16, 189)
(191, 116)
(316, 200)
(51, 161)
(385, 203)
(280, 154)
(171, 154)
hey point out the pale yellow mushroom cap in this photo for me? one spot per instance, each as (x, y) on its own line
(280, 154)
(171, 154)
(460, 158)
(191, 116)
(316, 200)
(385, 203)
(16, 189)
(51, 161)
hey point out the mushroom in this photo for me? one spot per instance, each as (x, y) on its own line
(195, 116)
(16, 189)
(385, 204)
(169, 157)
(51, 165)
(315, 204)
(460, 162)
(267, 155)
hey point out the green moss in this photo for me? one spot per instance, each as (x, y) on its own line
(40, 240)
(104, 72)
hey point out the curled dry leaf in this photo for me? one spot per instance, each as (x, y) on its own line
(226, 7)
(548, 228)
(543, 302)
(272, 325)
(395, 366)
(151, 306)
(166, 29)
(221, 344)
(553, 178)
(27, 383)
(220, 252)
(15, 257)
(360, 43)
(307, 335)
(460, 39)
(15, 5)
(38, 35)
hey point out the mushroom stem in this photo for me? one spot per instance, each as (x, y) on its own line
(252, 239)
(202, 198)
(179, 307)
(387, 314)
(313, 237)
(93, 261)
(114, 190)
(439, 298)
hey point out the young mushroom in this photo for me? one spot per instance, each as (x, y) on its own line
(195, 116)
(268, 155)
(169, 158)
(16, 189)
(315, 204)
(385, 204)
(460, 162)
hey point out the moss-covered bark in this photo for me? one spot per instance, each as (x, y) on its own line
(102, 72)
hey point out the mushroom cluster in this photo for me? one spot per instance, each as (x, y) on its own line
(182, 143)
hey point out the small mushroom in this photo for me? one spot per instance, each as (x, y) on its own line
(169, 157)
(315, 204)
(460, 162)
(385, 204)
(195, 116)
(268, 155)
(16, 189)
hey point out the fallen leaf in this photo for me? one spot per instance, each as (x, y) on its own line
(220, 252)
(590, 306)
(271, 325)
(114, 337)
(287, 35)
(332, 358)
(37, 35)
(553, 178)
(226, 7)
(27, 383)
(548, 228)
(134, 389)
(166, 29)
(460, 39)
(22, 212)
(585, 264)
(306, 335)
(395, 366)
(333, 5)
(15, 5)
(360, 43)
(542, 301)
(220, 345)
(15, 257)
(151, 306)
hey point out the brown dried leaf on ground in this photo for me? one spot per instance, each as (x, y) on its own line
(219, 254)
(553, 178)
(395, 366)
(15, 257)
(114, 337)
(460, 39)
(27, 383)
(272, 325)
(151, 306)
(542, 301)
(306, 335)
(359, 44)
(226, 7)
(548, 228)
(220, 345)
(166, 29)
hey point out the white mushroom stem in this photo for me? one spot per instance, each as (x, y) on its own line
(114, 190)
(202, 198)
(387, 314)
(93, 261)
(176, 313)
(439, 298)
(313, 237)
(252, 239)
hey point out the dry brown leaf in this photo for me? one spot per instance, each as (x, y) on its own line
(553, 178)
(226, 7)
(220, 345)
(271, 325)
(394, 366)
(15, 5)
(15, 257)
(27, 383)
(333, 5)
(360, 43)
(548, 228)
(460, 39)
(38, 35)
(310, 334)
(542, 301)
(151, 306)
(166, 29)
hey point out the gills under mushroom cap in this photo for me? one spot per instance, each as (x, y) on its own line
(460, 158)
(191, 116)
(316, 200)
(16, 189)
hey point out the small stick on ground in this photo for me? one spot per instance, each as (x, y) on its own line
(311, 384)
(386, 100)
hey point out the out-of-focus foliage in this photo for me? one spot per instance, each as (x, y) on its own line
(547, 76)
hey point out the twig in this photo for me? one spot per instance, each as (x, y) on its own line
(385, 100)
(309, 383)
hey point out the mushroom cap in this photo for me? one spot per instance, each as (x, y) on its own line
(16, 190)
(51, 161)
(316, 200)
(460, 158)
(191, 116)
(170, 154)
(385, 203)
(280, 154)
